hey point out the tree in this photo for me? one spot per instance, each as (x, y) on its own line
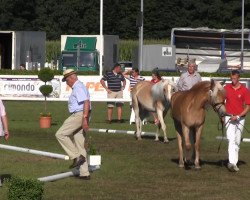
(83, 17)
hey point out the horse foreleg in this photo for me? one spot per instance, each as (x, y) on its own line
(188, 145)
(197, 148)
(163, 125)
(181, 160)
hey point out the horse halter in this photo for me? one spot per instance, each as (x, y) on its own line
(216, 106)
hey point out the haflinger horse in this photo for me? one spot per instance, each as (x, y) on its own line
(148, 97)
(189, 111)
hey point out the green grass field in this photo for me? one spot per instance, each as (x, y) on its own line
(130, 169)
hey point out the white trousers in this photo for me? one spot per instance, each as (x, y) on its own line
(234, 131)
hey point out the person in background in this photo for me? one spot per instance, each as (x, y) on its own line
(4, 128)
(190, 78)
(237, 106)
(156, 77)
(22, 67)
(71, 135)
(116, 83)
(133, 76)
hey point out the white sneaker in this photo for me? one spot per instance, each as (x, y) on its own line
(232, 167)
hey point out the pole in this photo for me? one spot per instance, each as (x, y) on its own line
(242, 38)
(78, 56)
(120, 131)
(141, 39)
(32, 151)
(101, 36)
(74, 172)
(224, 138)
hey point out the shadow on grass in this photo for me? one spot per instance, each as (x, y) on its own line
(161, 139)
(113, 121)
(219, 163)
(54, 124)
(4, 177)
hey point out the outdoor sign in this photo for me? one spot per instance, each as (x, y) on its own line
(27, 88)
(13, 87)
(166, 51)
(17, 86)
(84, 43)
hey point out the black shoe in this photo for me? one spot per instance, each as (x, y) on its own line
(108, 121)
(84, 177)
(120, 121)
(78, 161)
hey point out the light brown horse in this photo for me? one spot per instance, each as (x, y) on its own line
(189, 111)
(148, 97)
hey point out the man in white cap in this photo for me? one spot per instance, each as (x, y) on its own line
(71, 134)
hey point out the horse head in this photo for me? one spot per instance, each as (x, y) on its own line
(217, 97)
(169, 87)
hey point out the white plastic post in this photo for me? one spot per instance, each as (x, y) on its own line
(132, 116)
(32, 151)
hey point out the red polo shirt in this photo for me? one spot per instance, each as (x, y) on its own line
(236, 99)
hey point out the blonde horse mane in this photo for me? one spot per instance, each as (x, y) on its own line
(216, 87)
(163, 90)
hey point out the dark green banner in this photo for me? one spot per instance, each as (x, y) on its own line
(85, 43)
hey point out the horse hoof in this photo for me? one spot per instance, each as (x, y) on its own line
(198, 167)
(181, 165)
(166, 141)
(139, 138)
(157, 140)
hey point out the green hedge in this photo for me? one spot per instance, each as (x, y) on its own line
(24, 189)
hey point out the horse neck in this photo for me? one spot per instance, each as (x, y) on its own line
(202, 97)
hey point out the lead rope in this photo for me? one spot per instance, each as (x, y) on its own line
(244, 127)
(222, 132)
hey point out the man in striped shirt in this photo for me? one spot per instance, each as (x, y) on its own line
(134, 77)
(116, 83)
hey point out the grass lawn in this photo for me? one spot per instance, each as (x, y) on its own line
(130, 169)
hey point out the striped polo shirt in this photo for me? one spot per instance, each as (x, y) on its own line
(114, 81)
(133, 81)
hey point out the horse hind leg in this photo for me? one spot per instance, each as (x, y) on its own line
(157, 133)
(138, 123)
(162, 125)
(135, 105)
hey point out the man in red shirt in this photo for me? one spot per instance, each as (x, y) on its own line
(237, 106)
